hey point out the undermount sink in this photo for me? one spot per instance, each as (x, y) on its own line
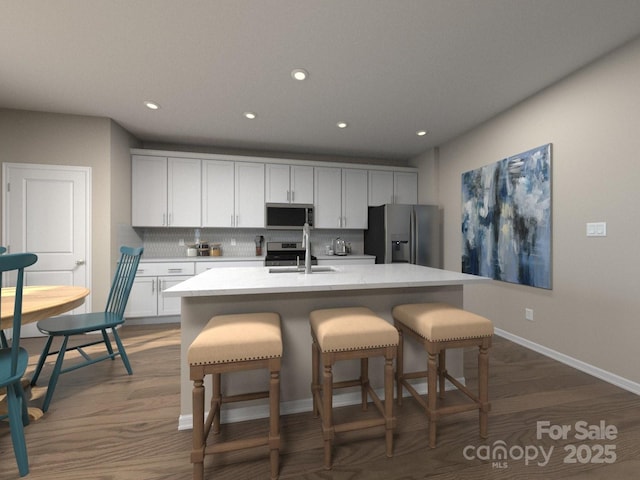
(294, 269)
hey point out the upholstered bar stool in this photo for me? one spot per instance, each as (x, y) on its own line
(231, 343)
(345, 334)
(438, 327)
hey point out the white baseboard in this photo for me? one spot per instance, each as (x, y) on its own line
(153, 320)
(608, 377)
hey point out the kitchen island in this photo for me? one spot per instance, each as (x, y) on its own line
(293, 295)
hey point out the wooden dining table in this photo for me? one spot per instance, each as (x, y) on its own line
(40, 302)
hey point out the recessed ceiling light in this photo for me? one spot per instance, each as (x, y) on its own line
(342, 124)
(421, 133)
(151, 105)
(299, 74)
(249, 115)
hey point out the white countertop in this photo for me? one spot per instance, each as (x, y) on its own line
(223, 258)
(258, 280)
(206, 258)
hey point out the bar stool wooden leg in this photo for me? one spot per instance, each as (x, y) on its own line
(216, 401)
(483, 390)
(388, 402)
(442, 371)
(432, 396)
(364, 379)
(400, 367)
(327, 412)
(315, 377)
(197, 453)
(274, 423)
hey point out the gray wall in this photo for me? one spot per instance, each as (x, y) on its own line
(591, 118)
(99, 143)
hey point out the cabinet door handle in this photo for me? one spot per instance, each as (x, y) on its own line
(169, 221)
(153, 286)
(293, 196)
(175, 270)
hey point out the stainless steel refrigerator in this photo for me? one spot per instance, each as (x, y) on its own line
(404, 234)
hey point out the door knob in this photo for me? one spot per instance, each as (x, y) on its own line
(79, 262)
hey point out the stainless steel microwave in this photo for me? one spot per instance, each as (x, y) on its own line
(287, 216)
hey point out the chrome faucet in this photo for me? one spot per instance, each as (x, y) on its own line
(306, 244)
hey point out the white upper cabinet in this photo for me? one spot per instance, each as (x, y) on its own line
(232, 194)
(380, 187)
(148, 191)
(301, 184)
(249, 195)
(354, 198)
(183, 192)
(165, 192)
(405, 187)
(340, 198)
(288, 184)
(392, 187)
(327, 197)
(173, 189)
(218, 193)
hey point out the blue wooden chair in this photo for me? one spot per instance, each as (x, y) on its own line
(14, 360)
(3, 338)
(67, 326)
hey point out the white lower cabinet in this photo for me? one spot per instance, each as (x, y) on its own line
(143, 299)
(169, 305)
(146, 299)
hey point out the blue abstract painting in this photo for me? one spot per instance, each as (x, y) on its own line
(506, 219)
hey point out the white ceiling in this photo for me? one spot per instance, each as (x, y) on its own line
(387, 67)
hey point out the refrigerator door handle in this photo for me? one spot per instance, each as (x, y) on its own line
(413, 238)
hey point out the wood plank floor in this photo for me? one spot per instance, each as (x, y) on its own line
(106, 425)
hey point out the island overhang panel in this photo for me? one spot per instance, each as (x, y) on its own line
(293, 296)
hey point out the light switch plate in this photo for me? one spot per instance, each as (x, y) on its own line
(597, 229)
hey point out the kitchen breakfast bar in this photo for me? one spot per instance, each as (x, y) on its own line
(293, 294)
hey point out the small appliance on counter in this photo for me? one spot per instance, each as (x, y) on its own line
(203, 249)
(259, 239)
(286, 254)
(339, 247)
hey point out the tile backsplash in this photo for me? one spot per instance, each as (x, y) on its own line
(239, 242)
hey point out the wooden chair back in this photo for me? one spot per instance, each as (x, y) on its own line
(123, 280)
(16, 262)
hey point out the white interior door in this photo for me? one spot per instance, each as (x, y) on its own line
(46, 212)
